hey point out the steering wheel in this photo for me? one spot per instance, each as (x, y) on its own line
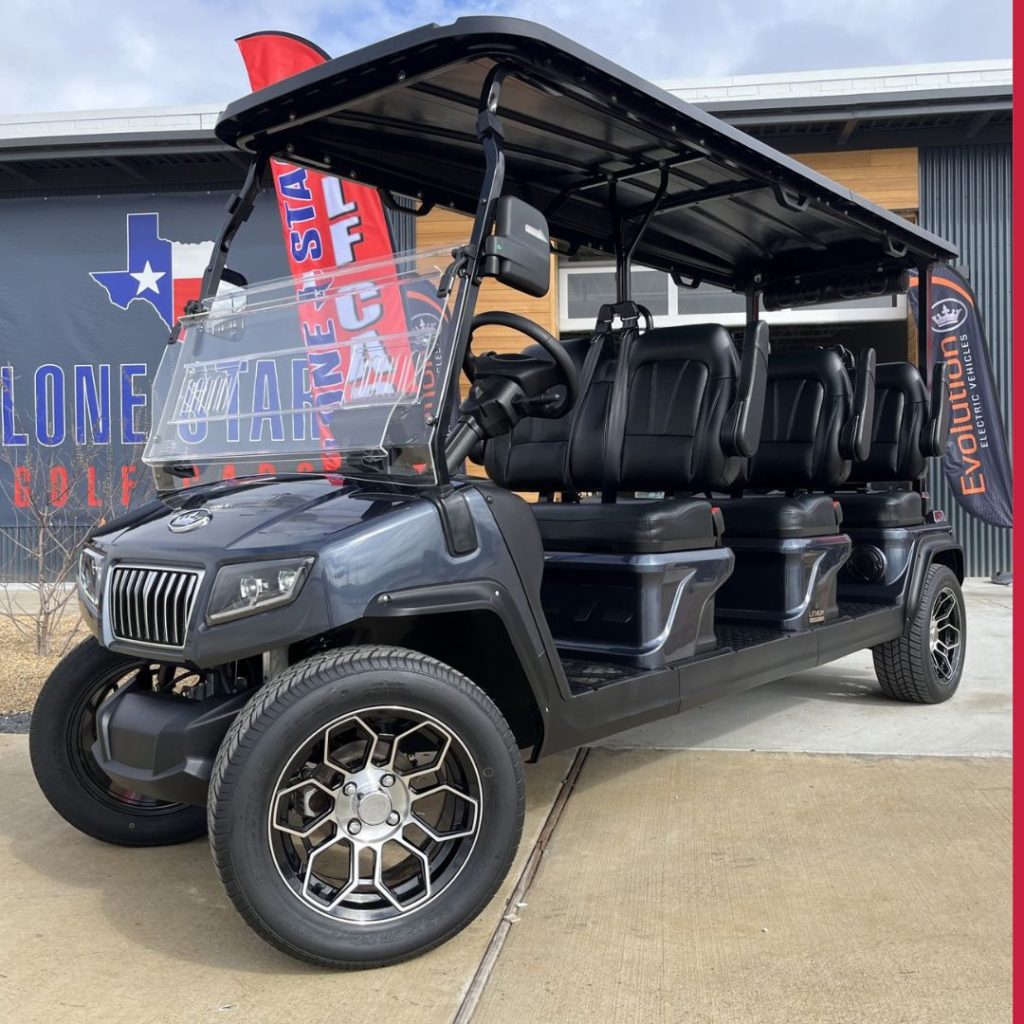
(552, 347)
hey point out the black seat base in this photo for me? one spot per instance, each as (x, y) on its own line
(788, 583)
(646, 611)
(882, 509)
(628, 526)
(779, 516)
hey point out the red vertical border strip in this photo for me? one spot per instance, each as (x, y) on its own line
(1018, 476)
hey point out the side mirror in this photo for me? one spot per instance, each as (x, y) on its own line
(519, 252)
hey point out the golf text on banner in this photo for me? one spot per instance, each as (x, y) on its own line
(329, 223)
(976, 463)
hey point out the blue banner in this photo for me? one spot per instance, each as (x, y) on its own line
(976, 462)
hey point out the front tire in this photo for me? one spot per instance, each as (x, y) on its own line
(61, 734)
(365, 807)
(924, 665)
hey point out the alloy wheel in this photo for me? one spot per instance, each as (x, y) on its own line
(944, 635)
(375, 814)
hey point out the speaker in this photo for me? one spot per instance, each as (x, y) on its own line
(866, 564)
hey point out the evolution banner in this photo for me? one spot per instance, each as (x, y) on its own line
(976, 463)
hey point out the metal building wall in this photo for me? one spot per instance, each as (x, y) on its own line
(965, 196)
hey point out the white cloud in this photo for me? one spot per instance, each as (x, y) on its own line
(121, 53)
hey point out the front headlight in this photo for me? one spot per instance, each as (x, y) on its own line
(255, 587)
(90, 574)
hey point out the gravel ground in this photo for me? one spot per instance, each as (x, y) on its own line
(22, 671)
(17, 722)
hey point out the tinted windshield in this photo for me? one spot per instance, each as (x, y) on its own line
(337, 372)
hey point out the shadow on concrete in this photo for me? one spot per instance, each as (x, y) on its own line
(169, 899)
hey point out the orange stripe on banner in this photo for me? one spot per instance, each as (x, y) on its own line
(949, 284)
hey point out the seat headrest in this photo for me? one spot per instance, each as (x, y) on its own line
(900, 422)
(905, 377)
(822, 364)
(709, 343)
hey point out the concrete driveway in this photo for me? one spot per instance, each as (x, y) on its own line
(686, 878)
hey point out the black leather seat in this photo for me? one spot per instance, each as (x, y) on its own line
(814, 427)
(769, 515)
(882, 508)
(681, 428)
(908, 428)
(631, 526)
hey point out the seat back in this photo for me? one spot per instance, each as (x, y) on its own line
(908, 427)
(533, 456)
(811, 428)
(662, 412)
(681, 384)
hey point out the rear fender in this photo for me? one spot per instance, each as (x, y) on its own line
(931, 549)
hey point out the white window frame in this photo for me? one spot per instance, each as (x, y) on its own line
(824, 314)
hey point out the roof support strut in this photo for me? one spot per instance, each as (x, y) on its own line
(491, 135)
(624, 249)
(240, 206)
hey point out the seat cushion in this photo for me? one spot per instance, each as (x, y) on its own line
(771, 515)
(882, 508)
(627, 526)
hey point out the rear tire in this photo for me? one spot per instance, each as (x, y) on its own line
(924, 665)
(319, 791)
(61, 733)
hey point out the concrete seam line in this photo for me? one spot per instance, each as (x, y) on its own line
(467, 1007)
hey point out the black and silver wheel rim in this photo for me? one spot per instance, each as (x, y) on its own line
(945, 635)
(375, 815)
(82, 735)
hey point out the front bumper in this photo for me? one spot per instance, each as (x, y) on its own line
(207, 645)
(162, 745)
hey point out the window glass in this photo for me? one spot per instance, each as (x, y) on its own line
(709, 300)
(650, 289)
(589, 290)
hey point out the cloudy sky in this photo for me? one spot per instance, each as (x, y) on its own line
(88, 54)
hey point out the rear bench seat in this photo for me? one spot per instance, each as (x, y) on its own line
(908, 429)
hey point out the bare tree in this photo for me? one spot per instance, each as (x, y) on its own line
(58, 495)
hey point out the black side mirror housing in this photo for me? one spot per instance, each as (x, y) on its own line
(519, 252)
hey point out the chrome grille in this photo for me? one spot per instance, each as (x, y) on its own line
(151, 606)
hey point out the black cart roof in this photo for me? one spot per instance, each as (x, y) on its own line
(402, 115)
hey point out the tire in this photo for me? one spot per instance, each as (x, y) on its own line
(61, 734)
(907, 668)
(333, 719)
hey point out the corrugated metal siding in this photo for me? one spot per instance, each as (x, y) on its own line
(965, 196)
(17, 565)
(403, 226)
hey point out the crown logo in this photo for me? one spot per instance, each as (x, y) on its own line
(947, 316)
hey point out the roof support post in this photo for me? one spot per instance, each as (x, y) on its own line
(623, 250)
(240, 206)
(491, 135)
(753, 304)
(924, 321)
(924, 347)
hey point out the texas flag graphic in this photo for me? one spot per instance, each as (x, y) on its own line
(162, 273)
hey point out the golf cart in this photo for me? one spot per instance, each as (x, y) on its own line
(334, 669)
